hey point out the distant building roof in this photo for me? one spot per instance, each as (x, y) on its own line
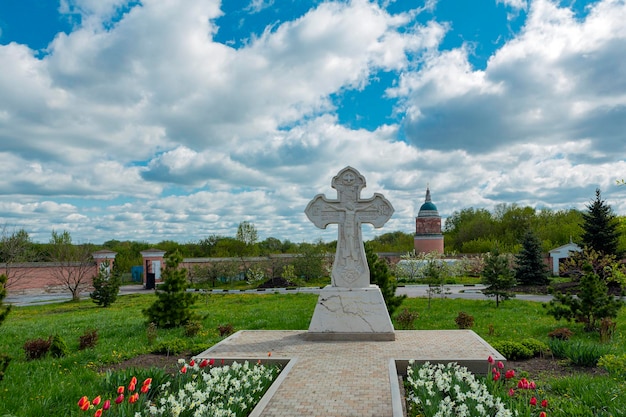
(428, 209)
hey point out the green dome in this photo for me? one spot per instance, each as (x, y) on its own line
(428, 209)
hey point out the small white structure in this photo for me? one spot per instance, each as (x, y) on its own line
(562, 252)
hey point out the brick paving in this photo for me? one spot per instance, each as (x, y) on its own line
(345, 378)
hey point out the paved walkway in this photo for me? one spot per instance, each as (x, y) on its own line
(344, 379)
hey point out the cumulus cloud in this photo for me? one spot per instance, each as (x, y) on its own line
(154, 130)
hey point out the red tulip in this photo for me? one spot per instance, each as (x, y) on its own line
(204, 363)
(192, 363)
(511, 392)
(131, 387)
(533, 401)
(500, 365)
(145, 388)
(85, 406)
(97, 400)
(133, 381)
(133, 398)
(490, 360)
(496, 376)
(119, 399)
(98, 412)
(147, 381)
(544, 403)
(532, 385)
(183, 370)
(106, 405)
(509, 374)
(120, 389)
(82, 401)
(212, 361)
(543, 414)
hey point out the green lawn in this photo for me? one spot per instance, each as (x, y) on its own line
(52, 386)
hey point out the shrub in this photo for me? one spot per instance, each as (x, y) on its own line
(37, 348)
(512, 350)
(225, 329)
(88, 340)
(171, 347)
(579, 353)
(406, 318)
(58, 348)
(192, 328)
(537, 347)
(607, 329)
(151, 333)
(614, 365)
(464, 320)
(4, 364)
(562, 333)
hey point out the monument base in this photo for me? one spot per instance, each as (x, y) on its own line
(351, 314)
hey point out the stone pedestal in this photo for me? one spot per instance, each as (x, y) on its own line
(351, 314)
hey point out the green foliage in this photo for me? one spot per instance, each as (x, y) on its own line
(106, 285)
(37, 348)
(381, 276)
(579, 353)
(600, 227)
(498, 277)
(537, 347)
(58, 347)
(615, 365)
(171, 347)
(513, 350)
(172, 307)
(590, 306)
(464, 320)
(4, 364)
(192, 328)
(392, 242)
(530, 268)
(4, 309)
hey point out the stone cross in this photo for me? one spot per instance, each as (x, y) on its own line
(350, 268)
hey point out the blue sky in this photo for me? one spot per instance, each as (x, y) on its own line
(161, 119)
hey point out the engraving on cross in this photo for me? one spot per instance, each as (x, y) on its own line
(349, 211)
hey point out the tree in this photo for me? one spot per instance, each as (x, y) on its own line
(106, 285)
(15, 247)
(4, 310)
(309, 264)
(498, 277)
(73, 263)
(600, 227)
(530, 268)
(172, 308)
(246, 233)
(592, 304)
(380, 275)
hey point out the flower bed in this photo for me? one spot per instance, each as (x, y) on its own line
(199, 389)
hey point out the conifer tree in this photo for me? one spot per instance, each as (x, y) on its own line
(106, 285)
(172, 307)
(600, 227)
(498, 277)
(530, 268)
(381, 276)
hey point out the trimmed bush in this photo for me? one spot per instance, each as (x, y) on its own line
(464, 320)
(88, 340)
(37, 348)
(59, 348)
(562, 333)
(614, 365)
(537, 347)
(225, 329)
(406, 318)
(192, 328)
(512, 350)
(171, 347)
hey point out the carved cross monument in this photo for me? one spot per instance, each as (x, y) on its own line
(350, 308)
(349, 211)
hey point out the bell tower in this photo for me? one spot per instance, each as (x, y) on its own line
(428, 236)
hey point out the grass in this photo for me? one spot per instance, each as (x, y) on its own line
(52, 386)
